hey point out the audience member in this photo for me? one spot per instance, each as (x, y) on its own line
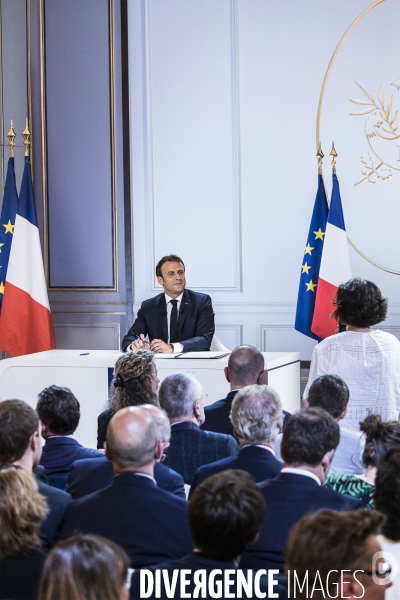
(333, 555)
(387, 501)
(150, 524)
(309, 442)
(89, 475)
(367, 359)
(22, 509)
(379, 437)
(21, 445)
(135, 383)
(181, 396)
(257, 419)
(85, 567)
(59, 414)
(331, 393)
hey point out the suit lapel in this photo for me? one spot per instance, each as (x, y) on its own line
(183, 311)
(162, 315)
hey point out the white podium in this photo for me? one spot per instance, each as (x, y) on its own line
(88, 372)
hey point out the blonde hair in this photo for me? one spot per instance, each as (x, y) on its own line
(133, 382)
(84, 567)
(22, 509)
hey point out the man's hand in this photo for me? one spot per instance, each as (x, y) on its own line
(161, 347)
(138, 344)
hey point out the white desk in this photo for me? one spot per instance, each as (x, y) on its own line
(88, 375)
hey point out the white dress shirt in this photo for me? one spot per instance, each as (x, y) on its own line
(177, 346)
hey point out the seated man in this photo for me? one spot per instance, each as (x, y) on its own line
(181, 396)
(257, 419)
(331, 555)
(331, 393)
(21, 445)
(225, 515)
(59, 414)
(309, 442)
(89, 475)
(177, 320)
(150, 524)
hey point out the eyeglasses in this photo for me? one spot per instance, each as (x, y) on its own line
(163, 457)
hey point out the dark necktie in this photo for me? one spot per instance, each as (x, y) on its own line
(173, 322)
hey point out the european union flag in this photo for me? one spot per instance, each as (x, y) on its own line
(7, 222)
(311, 263)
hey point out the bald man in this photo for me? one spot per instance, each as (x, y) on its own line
(150, 524)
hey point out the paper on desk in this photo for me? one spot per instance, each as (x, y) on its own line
(207, 355)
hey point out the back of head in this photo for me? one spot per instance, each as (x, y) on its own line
(84, 567)
(329, 392)
(245, 365)
(132, 437)
(380, 436)
(18, 421)
(256, 414)
(22, 509)
(162, 421)
(326, 541)
(359, 303)
(308, 436)
(226, 512)
(387, 492)
(133, 383)
(178, 394)
(58, 409)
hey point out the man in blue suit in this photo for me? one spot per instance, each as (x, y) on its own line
(150, 524)
(309, 442)
(59, 413)
(257, 419)
(177, 320)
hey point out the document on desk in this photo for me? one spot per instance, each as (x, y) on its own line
(206, 355)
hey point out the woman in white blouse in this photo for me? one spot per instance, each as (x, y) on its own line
(367, 359)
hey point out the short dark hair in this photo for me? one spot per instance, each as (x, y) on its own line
(380, 436)
(329, 392)
(58, 409)
(325, 541)
(245, 365)
(308, 435)
(169, 258)
(359, 303)
(18, 422)
(226, 512)
(387, 492)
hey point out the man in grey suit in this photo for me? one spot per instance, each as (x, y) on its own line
(181, 396)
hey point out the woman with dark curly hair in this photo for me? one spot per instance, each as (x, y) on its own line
(135, 383)
(368, 360)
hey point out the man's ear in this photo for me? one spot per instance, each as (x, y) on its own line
(260, 377)
(160, 279)
(44, 429)
(255, 538)
(197, 409)
(342, 416)
(158, 452)
(306, 403)
(108, 451)
(349, 587)
(226, 372)
(327, 459)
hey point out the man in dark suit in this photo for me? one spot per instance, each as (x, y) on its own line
(309, 442)
(257, 419)
(89, 475)
(181, 396)
(245, 367)
(150, 524)
(177, 320)
(225, 515)
(59, 413)
(21, 445)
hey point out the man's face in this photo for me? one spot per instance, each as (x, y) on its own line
(173, 278)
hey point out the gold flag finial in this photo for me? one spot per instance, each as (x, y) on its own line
(320, 156)
(26, 134)
(334, 155)
(11, 137)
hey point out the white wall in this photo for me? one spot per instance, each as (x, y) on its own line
(223, 98)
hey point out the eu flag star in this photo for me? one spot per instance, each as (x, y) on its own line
(319, 235)
(9, 227)
(1, 287)
(308, 249)
(305, 268)
(310, 286)
(0, 247)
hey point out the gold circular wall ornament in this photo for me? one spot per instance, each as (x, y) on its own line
(321, 99)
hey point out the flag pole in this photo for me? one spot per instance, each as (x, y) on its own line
(11, 137)
(320, 155)
(334, 155)
(26, 134)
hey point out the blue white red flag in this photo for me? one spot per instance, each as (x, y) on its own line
(7, 223)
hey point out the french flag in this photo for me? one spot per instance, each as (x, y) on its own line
(335, 266)
(25, 322)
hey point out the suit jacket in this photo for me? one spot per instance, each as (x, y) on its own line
(93, 474)
(195, 323)
(259, 462)
(288, 497)
(190, 448)
(150, 524)
(20, 576)
(61, 451)
(217, 415)
(57, 501)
